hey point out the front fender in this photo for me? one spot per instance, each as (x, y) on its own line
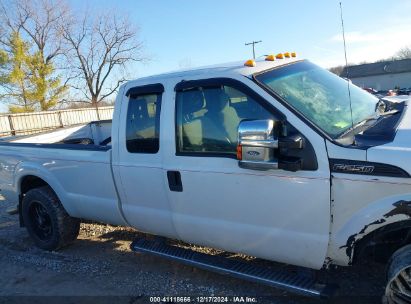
(380, 213)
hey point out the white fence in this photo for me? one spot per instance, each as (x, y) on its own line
(29, 123)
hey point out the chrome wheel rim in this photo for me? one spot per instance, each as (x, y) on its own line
(398, 290)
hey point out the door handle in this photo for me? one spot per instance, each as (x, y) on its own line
(174, 181)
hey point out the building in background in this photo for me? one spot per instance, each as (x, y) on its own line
(384, 75)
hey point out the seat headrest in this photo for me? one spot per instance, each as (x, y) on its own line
(216, 99)
(192, 101)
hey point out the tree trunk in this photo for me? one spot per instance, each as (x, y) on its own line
(94, 101)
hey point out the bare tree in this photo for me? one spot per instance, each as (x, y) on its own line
(101, 48)
(41, 20)
(404, 53)
(38, 23)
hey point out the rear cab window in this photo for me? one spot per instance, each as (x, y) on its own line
(143, 119)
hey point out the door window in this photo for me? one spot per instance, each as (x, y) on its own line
(143, 123)
(208, 118)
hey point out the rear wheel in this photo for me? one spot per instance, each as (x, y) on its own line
(47, 223)
(398, 289)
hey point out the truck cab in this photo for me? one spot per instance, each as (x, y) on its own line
(178, 163)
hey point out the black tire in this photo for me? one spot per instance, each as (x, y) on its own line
(398, 288)
(46, 221)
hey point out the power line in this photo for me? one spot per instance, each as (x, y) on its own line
(253, 44)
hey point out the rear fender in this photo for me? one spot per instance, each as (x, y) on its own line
(24, 169)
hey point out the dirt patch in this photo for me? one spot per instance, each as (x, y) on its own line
(100, 264)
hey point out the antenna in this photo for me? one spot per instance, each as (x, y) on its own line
(253, 43)
(346, 64)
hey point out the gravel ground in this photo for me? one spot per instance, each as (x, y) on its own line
(100, 268)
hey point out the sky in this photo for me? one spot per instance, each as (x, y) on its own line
(190, 33)
(181, 34)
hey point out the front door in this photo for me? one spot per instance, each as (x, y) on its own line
(275, 214)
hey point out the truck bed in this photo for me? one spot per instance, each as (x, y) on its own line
(74, 161)
(96, 133)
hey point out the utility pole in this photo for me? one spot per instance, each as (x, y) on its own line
(253, 43)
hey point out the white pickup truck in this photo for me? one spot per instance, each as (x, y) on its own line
(277, 159)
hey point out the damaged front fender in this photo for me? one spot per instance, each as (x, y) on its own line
(400, 208)
(371, 227)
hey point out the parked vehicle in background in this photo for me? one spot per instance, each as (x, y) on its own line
(404, 91)
(383, 93)
(370, 90)
(276, 159)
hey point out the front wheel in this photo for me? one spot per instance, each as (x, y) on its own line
(398, 289)
(47, 223)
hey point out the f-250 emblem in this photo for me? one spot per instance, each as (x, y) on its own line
(253, 153)
(353, 168)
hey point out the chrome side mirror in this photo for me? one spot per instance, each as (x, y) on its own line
(265, 144)
(257, 144)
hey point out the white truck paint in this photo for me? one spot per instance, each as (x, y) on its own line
(309, 218)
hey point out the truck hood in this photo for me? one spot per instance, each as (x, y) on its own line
(397, 152)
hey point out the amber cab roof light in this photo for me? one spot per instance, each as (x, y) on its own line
(250, 63)
(270, 58)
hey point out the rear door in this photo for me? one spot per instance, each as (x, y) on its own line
(273, 214)
(137, 160)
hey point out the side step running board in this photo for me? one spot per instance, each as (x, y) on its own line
(283, 279)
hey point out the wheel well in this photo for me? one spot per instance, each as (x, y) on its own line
(27, 183)
(380, 244)
(30, 182)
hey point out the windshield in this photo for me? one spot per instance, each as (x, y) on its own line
(321, 96)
